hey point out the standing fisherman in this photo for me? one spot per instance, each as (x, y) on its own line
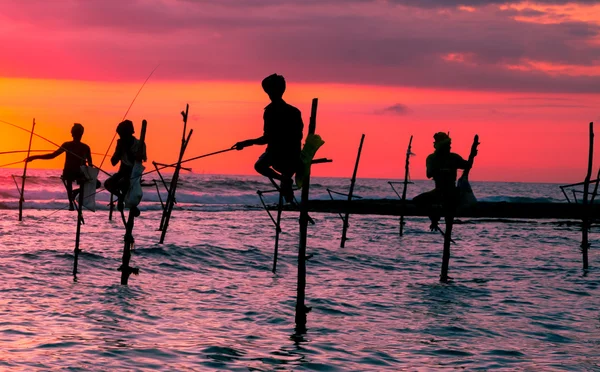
(127, 148)
(442, 166)
(77, 155)
(283, 136)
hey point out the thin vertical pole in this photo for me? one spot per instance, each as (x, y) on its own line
(125, 269)
(301, 309)
(446, 255)
(585, 223)
(22, 196)
(77, 235)
(166, 217)
(170, 203)
(352, 182)
(450, 210)
(277, 231)
(111, 207)
(406, 175)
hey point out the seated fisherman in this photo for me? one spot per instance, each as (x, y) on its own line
(77, 154)
(283, 136)
(125, 151)
(442, 166)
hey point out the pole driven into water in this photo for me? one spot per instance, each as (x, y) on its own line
(166, 217)
(350, 192)
(449, 212)
(277, 231)
(301, 309)
(447, 240)
(78, 233)
(585, 226)
(125, 269)
(406, 181)
(22, 196)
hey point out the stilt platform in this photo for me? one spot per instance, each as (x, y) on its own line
(393, 207)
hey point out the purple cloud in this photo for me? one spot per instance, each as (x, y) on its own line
(371, 42)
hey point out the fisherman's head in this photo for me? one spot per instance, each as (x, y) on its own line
(125, 129)
(441, 142)
(274, 86)
(77, 131)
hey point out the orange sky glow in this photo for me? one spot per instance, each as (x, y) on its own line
(532, 130)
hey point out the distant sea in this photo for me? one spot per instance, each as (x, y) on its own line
(207, 300)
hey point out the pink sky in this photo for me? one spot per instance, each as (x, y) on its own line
(522, 75)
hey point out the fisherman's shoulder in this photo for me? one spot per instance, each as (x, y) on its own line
(292, 109)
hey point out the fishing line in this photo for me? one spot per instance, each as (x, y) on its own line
(47, 140)
(127, 112)
(63, 208)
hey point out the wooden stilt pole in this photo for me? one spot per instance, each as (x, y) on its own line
(173, 188)
(301, 308)
(79, 223)
(352, 182)
(162, 205)
(125, 269)
(22, 196)
(406, 181)
(446, 256)
(595, 193)
(585, 226)
(277, 231)
(111, 207)
(160, 176)
(449, 213)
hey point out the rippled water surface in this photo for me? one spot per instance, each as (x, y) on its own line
(207, 300)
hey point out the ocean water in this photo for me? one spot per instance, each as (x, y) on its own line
(207, 300)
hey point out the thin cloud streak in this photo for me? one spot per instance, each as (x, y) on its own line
(426, 44)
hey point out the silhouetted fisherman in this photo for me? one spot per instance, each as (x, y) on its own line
(283, 136)
(77, 155)
(442, 166)
(127, 147)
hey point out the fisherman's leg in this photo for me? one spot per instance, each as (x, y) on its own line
(287, 171)
(263, 166)
(113, 185)
(70, 195)
(428, 200)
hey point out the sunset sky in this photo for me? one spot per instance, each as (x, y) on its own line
(525, 76)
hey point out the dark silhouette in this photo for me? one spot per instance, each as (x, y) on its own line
(77, 154)
(283, 136)
(127, 147)
(442, 166)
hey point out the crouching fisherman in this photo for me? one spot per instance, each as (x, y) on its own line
(125, 153)
(442, 166)
(282, 133)
(77, 154)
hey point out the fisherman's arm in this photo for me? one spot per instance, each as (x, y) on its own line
(465, 164)
(89, 157)
(250, 142)
(429, 165)
(49, 156)
(114, 160)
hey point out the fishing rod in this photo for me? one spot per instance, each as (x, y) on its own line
(19, 151)
(9, 164)
(190, 159)
(127, 112)
(49, 141)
